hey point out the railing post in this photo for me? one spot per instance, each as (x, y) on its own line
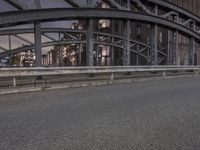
(196, 72)
(112, 76)
(164, 74)
(14, 82)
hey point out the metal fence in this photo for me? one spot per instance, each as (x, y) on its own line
(40, 73)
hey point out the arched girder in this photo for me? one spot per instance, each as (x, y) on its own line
(175, 8)
(58, 30)
(44, 15)
(44, 30)
(47, 44)
(31, 47)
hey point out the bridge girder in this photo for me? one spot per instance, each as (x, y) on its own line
(123, 13)
(31, 16)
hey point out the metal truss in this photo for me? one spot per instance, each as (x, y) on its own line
(172, 18)
(99, 39)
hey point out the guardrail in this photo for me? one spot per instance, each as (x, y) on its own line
(40, 72)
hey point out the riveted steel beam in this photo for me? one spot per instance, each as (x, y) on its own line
(175, 8)
(117, 5)
(38, 45)
(126, 39)
(3, 49)
(62, 30)
(192, 46)
(16, 4)
(154, 41)
(191, 51)
(22, 38)
(90, 38)
(44, 30)
(126, 43)
(175, 47)
(30, 16)
(31, 47)
(47, 36)
(73, 3)
(140, 4)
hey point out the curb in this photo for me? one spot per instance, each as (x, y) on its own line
(87, 84)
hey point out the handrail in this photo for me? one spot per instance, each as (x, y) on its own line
(49, 71)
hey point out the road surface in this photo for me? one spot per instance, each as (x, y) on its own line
(153, 115)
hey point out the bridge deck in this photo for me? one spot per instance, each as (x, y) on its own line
(143, 115)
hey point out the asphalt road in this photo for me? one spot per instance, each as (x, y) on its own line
(153, 115)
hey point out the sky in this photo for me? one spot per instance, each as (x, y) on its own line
(29, 4)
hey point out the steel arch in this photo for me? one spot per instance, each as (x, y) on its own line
(190, 26)
(45, 15)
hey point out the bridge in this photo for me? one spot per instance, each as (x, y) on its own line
(174, 19)
(146, 97)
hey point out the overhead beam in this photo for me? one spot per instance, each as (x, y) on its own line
(57, 30)
(116, 5)
(175, 8)
(21, 38)
(30, 16)
(31, 47)
(73, 3)
(47, 36)
(47, 44)
(44, 31)
(140, 4)
(16, 4)
(4, 49)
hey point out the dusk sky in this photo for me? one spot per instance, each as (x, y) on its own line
(29, 4)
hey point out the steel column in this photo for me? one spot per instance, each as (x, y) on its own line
(90, 44)
(112, 48)
(90, 39)
(126, 40)
(175, 44)
(37, 4)
(60, 51)
(9, 42)
(191, 50)
(79, 54)
(154, 41)
(112, 58)
(97, 52)
(154, 44)
(126, 43)
(9, 46)
(168, 44)
(38, 44)
(192, 47)
(129, 4)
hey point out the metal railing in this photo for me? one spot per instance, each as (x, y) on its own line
(41, 72)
